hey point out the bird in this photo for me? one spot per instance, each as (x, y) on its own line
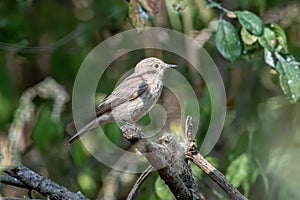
(132, 98)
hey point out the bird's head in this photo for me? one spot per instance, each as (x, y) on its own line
(152, 65)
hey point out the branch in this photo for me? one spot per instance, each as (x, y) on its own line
(193, 154)
(205, 34)
(19, 132)
(31, 180)
(14, 198)
(139, 182)
(218, 6)
(49, 48)
(167, 158)
(8, 180)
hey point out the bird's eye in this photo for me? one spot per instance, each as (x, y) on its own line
(156, 65)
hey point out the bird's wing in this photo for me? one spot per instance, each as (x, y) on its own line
(128, 90)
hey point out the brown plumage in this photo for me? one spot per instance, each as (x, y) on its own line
(132, 98)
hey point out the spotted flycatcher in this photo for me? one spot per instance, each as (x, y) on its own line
(132, 98)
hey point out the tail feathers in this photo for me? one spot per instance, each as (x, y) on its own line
(88, 127)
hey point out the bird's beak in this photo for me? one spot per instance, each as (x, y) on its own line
(170, 66)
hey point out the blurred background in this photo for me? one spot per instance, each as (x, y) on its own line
(42, 45)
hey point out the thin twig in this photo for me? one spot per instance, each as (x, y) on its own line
(219, 6)
(208, 168)
(139, 182)
(51, 47)
(205, 34)
(188, 129)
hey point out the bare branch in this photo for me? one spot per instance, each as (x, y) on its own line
(8, 180)
(210, 170)
(25, 113)
(31, 180)
(14, 198)
(205, 34)
(167, 159)
(139, 182)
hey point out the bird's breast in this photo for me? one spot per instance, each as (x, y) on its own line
(156, 88)
(135, 109)
(147, 100)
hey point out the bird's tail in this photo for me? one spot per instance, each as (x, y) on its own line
(88, 127)
(92, 124)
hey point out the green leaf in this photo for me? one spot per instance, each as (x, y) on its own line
(268, 39)
(47, 129)
(227, 41)
(247, 37)
(162, 190)
(251, 22)
(281, 38)
(289, 76)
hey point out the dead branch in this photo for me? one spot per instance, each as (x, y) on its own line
(193, 154)
(40, 184)
(168, 159)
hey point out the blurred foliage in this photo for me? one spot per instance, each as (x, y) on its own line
(162, 190)
(52, 130)
(258, 149)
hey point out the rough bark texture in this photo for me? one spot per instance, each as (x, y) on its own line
(193, 154)
(168, 159)
(42, 185)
